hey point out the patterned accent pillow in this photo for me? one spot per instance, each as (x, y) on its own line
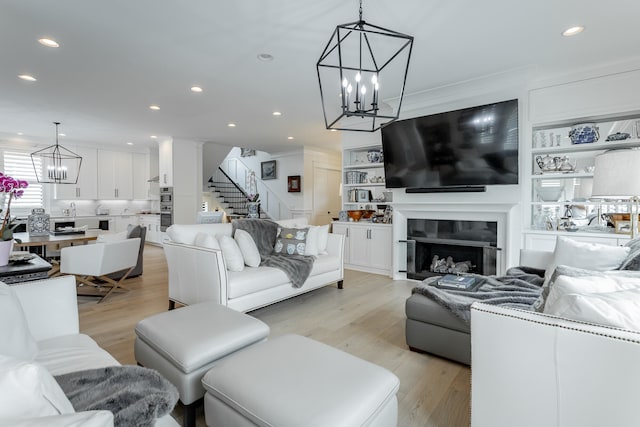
(632, 262)
(291, 241)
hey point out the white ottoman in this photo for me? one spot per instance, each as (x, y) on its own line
(183, 344)
(293, 381)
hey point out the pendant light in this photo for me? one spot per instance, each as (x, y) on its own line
(362, 73)
(56, 164)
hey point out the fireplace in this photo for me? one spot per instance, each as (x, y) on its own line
(437, 247)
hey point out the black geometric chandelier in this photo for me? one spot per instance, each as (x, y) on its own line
(55, 164)
(362, 74)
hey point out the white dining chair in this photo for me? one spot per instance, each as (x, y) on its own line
(90, 262)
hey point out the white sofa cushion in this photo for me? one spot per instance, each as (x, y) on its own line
(248, 248)
(293, 222)
(70, 353)
(323, 238)
(254, 279)
(619, 309)
(231, 253)
(16, 340)
(206, 240)
(27, 389)
(324, 264)
(592, 256)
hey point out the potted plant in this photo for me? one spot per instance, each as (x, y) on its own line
(14, 188)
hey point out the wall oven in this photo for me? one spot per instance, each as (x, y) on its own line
(166, 208)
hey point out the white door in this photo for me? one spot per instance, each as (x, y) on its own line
(326, 198)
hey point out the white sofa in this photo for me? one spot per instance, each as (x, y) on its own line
(51, 311)
(531, 369)
(534, 369)
(199, 274)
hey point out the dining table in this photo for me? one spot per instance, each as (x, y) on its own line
(55, 242)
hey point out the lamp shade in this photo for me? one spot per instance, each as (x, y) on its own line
(617, 174)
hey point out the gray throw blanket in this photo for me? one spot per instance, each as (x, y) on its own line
(135, 395)
(519, 288)
(263, 231)
(296, 267)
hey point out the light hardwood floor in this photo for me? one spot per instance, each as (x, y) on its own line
(366, 319)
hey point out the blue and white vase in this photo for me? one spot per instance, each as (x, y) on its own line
(253, 210)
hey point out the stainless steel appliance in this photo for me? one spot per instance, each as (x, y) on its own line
(166, 207)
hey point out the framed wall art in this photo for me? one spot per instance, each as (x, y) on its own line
(293, 184)
(268, 169)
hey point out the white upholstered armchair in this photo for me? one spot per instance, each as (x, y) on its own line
(88, 262)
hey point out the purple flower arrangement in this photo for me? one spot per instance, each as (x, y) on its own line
(15, 189)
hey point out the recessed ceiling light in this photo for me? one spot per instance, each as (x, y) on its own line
(334, 130)
(62, 134)
(289, 137)
(197, 89)
(153, 137)
(27, 77)
(154, 107)
(573, 31)
(277, 113)
(129, 143)
(20, 133)
(231, 125)
(265, 57)
(48, 42)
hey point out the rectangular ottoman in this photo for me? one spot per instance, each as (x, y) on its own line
(293, 381)
(183, 344)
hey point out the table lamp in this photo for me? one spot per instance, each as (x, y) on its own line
(617, 176)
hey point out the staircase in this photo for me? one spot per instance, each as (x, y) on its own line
(232, 196)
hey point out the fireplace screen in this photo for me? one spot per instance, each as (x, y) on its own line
(437, 247)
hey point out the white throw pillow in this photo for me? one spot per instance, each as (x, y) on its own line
(323, 238)
(15, 338)
(27, 389)
(311, 248)
(112, 237)
(206, 240)
(248, 248)
(591, 256)
(566, 285)
(619, 309)
(230, 252)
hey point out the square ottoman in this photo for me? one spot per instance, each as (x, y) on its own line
(183, 344)
(293, 381)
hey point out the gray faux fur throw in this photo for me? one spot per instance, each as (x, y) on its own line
(135, 395)
(263, 232)
(520, 288)
(296, 267)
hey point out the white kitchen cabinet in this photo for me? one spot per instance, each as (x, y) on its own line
(152, 224)
(140, 173)
(367, 246)
(115, 175)
(87, 186)
(165, 163)
(546, 241)
(122, 222)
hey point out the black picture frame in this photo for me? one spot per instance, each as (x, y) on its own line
(268, 170)
(293, 184)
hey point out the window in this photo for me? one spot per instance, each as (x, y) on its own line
(19, 165)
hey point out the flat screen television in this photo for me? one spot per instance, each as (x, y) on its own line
(475, 146)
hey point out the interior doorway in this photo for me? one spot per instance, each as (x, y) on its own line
(326, 200)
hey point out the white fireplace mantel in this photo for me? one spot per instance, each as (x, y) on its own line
(507, 215)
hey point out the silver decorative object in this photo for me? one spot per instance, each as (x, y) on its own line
(38, 223)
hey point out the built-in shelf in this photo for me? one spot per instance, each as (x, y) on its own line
(561, 175)
(364, 166)
(576, 148)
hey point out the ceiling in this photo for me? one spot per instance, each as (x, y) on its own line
(118, 57)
